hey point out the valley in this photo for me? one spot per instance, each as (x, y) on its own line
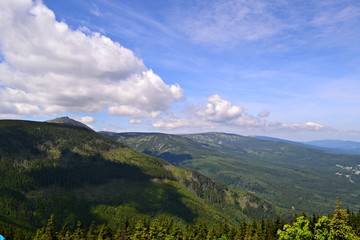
(292, 176)
(179, 120)
(76, 174)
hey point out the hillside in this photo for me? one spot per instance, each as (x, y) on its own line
(290, 175)
(77, 174)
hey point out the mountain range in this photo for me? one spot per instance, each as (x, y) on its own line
(65, 168)
(292, 175)
(77, 174)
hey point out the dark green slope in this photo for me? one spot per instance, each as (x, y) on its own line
(77, 174)
(289, 175)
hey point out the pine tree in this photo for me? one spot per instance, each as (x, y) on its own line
(339, 228)
(91, 233)
(79, 233)
(48, 232)
(105, 232)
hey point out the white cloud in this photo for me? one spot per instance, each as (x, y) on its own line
(86, 119)
(215, 113)
(13, 101)
(356, 131)
(308, 126)
(264, 114)
(173, 123)
(313, 126)
(218, 109)
(219, 113)
(135, 121)
(50, 68)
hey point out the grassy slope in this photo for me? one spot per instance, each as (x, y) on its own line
(286, 174)
(78, 174)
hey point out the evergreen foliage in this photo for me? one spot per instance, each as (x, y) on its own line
(291, 175)
(65, 182)
(77, 174)
(338, 226)
(335, 227)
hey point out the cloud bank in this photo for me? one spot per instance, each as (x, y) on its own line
(218, 112)
(48, 68)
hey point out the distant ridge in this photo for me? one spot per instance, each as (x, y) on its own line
(337, 146)
(69, 121)
(268, 167)
(275, 139)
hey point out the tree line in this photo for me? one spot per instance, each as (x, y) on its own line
(341, 224)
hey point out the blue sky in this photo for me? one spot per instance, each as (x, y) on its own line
(286, 69)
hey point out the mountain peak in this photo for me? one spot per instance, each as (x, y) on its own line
(69, 121)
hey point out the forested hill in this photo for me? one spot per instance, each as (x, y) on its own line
(77, 174)
(292, 176)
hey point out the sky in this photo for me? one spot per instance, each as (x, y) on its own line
(287, 69)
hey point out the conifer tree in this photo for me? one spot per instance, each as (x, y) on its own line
(79, 233)
(48, 232)
(339, 228)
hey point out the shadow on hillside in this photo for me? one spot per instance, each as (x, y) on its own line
(129, 185)
(16, 143)
(170, 157)
(148, 198)
(73, 170)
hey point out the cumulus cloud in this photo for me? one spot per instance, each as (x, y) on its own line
(49, 68)
(219, 112)
(86, 119)
(356, 131)
(218, 109)
(312, 126)
(264, 114)
(308, 126)
(135, 121)
(216, 112)
(174, 123)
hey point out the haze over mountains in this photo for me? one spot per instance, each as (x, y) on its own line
(337, 146)
(291, 175)
(328, 145)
